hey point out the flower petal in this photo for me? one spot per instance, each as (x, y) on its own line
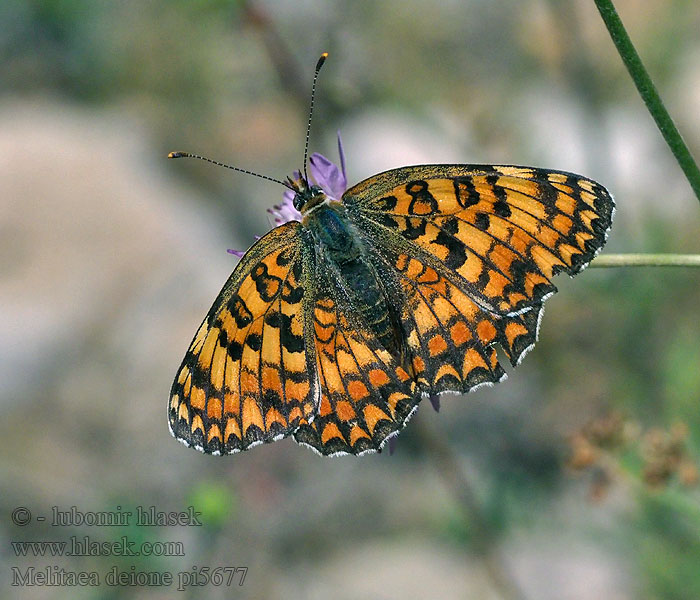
(328, 175)
(284, 212)
(342, 160)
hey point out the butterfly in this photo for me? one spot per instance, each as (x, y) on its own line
(335, 324)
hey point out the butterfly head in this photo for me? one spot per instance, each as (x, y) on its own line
(306, 195)
(327, 182)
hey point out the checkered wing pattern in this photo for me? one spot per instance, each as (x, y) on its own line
(500, 232)
(451, 338)
(366, 394)
(249, 374)
(474, 249)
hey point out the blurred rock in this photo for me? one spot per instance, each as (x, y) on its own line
(108, 266)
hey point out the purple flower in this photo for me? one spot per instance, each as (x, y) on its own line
(331, 179)
(285, 212)
(240, 253)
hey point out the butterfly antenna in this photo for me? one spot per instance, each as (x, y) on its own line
(319, 64)
(220, 164)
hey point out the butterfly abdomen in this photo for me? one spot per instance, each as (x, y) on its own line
(345, 254)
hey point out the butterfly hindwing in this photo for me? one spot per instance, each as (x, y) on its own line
(248, 376)
(450, 338)
(366, 395)
(501, 232)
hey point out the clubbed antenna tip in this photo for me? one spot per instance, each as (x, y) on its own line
(319, 64)
(321, 60)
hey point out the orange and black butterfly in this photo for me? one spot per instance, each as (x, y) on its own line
(336, 323)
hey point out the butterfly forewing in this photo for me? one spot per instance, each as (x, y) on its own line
(498, 232)
(248, 376)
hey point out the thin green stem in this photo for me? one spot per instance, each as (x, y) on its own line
(647, 260)
(649, 94)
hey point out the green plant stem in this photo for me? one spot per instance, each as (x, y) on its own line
(646, 260)
(649, 94)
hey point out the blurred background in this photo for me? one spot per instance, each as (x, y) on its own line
(575, 478)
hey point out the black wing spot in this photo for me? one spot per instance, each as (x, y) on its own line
(451, 225)
(456, 255)
(548, 195)
(465, 192)
(254, 342)
(235, 350)
(293, 295)
(286, 256)
(502, 209)
(422, 201)
(414, 231)
(386, 203)
(237, 307)
(267, 285)
(290, 341)
(482, 221)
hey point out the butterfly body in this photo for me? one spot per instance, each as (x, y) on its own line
(347, 257)
(333, 327)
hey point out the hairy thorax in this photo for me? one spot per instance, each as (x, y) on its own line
(342, 250)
